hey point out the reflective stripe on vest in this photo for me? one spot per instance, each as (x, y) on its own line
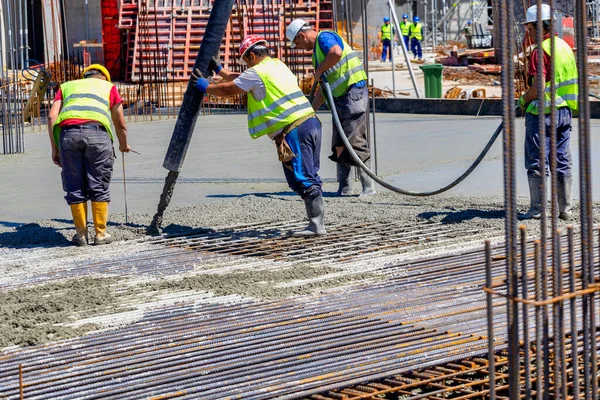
(345, 73)
(87, 99)
(405, 28)
(283, 104)
(386, 31)
(417, 31)
(565, 74)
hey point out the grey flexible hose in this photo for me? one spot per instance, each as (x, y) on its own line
(392, 187)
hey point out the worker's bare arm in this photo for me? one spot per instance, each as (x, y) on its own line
(531, 94)
(118, 119)
(228, 75)
(54, 111)
(332, 58)
(224, 89)
(318, 100)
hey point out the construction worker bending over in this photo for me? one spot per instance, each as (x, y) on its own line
(336, 62)
(387, 33)
(277, 108)
(82, 145)
(416, 37)
(565, 73)
(405, 31)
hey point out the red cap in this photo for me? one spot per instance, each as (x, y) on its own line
(248, 42)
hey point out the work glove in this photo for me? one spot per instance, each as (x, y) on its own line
(522, 104)
(215, 65)
(199, 80)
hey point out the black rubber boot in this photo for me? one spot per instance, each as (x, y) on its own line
(343, 177)
(535, 196)
(315, 212)
(564, 193)
(368, 186)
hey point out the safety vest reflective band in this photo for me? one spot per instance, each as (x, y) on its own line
(416, 31)
(345, 73)
(405, 28)
(283, 104)
(386, 31)
(565, 73)
(85, 99)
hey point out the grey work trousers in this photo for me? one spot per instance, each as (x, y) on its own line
(87, 157)
(352, 111)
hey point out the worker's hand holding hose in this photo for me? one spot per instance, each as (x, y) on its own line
(215, 65)
(199, 80)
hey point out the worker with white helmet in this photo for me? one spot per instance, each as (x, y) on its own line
(81, 138)
(337, 63)
(566, 100)
(278, 109)
(387, 34)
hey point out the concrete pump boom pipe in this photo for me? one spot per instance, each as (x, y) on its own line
(192, 100)
(391, 187)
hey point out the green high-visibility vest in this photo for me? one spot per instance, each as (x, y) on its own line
(386, 31)
(346, 72)
(283, 104)
(405, 28)
(85, 99)
(416, 31)
(565, 73)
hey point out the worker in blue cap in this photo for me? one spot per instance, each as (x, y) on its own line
(387, 33)
(405, 30)
(416, 37)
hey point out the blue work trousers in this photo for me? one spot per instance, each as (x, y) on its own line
(406, 42)
(387, 50)
(302, 173)
(87, 157)
(416, 48)
(563, 138)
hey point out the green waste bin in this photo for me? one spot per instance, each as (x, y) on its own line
(433, 80)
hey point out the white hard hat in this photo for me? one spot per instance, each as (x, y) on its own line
(293, 28)
(531, 15)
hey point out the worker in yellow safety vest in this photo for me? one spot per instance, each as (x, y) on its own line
(337, 63)
(405, 31)
(277, 108)
(416, 37)
(566, 101)
(81, 138)
(387, 34)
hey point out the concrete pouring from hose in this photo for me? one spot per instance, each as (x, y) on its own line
(391, 187)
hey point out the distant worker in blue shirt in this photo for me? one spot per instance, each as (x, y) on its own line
(416, 37)
(405, 31)
(387, 33)
(336, 63)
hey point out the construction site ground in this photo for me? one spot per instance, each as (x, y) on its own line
(225, 247)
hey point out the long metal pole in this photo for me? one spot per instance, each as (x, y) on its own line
(404, 50)
(392, 60)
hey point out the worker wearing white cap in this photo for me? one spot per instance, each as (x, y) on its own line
(337, 63)
(566, 100)
(278, 109)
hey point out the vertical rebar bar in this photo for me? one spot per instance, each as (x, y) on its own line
(490, 320)
(525, 312)
(573, 308)
(539, 350)
(374, 152)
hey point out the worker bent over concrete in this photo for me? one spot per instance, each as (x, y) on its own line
(565, 71)
(336, 62)
(277, 108)
(82, 145)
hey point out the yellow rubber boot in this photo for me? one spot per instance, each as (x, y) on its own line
(79, 212)
(100, 215)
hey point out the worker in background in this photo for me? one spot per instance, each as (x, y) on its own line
(468, 29)
(278, 109)
(565, 73)
(416, 37)
(405, 30)
(387, 33)
(82, 145)
(337, 63)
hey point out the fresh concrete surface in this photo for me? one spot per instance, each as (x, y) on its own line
(414, 152)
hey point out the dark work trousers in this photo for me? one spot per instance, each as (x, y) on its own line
(563, 137)
(87, 157)
(352, 111)
(415, 45)
(302, 173)
(406, 42)
(387, 48)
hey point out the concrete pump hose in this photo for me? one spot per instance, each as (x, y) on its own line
(393, 188)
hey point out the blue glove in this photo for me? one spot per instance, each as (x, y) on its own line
(522, 103)
(202, 84)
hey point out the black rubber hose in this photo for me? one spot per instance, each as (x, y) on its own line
(393, 188)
